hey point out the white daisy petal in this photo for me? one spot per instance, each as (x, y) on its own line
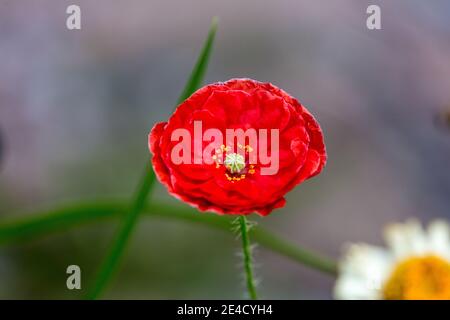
(406, 239)
(351, 288)
(363, 267)
(439, 238)
(410, 268)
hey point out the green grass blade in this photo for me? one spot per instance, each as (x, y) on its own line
(198, 73)
(111, 263)
(129, 221)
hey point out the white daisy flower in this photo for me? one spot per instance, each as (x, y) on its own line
(414, 266)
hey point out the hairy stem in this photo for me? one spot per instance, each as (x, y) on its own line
(248, 260)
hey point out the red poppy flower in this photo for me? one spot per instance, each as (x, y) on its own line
(229, 177)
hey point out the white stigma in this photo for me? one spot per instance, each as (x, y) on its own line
(234, 162)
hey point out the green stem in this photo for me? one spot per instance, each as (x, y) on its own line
(248, 261)
(40, 224)
(296, 253)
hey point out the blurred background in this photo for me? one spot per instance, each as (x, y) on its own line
(76, 108)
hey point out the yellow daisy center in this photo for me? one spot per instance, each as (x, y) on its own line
(419, 278)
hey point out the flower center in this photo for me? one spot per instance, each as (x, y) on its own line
(419, 278)
(234, 162)
(237, 167)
